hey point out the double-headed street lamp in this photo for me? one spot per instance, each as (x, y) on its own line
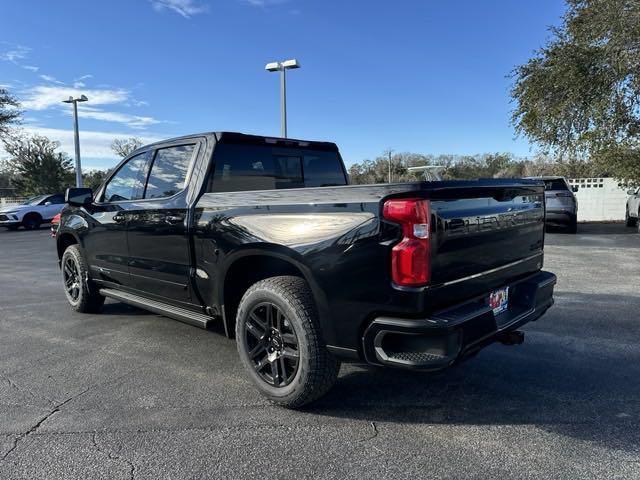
(282, 67)
(75, 101)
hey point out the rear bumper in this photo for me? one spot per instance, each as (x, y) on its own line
(560, 217)
(450, 335)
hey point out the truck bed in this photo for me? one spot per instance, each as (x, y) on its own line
(484, 233)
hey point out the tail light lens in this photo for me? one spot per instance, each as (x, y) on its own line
(411, 258)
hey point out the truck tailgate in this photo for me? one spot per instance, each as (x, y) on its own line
(478, 229)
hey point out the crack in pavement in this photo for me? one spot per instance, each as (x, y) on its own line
(115, 455)
(375, 433)
(34, 429)
(13, 385)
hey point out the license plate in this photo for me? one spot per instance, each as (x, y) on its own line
(499, 300)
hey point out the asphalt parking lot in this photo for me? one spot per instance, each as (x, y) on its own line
(129, 394)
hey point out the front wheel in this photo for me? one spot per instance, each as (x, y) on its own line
(75, 275)
(279, 342)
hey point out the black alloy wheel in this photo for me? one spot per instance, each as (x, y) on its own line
(72, 278)
(272, 344)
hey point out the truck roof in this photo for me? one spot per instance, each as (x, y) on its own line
(247, 139)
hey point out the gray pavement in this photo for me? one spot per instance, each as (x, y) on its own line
(129, 394)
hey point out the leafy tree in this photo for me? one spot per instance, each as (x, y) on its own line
(124, 146)
(94, 178)
(578, 97)
(9, 112)
(37, 167)
(454, 167)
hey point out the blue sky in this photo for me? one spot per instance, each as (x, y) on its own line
(412, 75)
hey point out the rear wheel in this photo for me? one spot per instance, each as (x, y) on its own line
(31, 221)
(278, 338)
(13, 228)
(573, 226)
(75, 277)
(629, 220)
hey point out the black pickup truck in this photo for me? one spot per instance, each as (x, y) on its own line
(305, 271)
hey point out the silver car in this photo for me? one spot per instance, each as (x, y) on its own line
(561, 204)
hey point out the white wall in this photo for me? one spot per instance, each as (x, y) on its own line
(600, 199)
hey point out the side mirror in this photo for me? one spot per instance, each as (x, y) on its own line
(78, 197)
(631, 191)
(574, 188)
(46, 204)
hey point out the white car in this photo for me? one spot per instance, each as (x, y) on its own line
(32, 213)
(632, 213)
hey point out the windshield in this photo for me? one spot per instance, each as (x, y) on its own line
(34, 200)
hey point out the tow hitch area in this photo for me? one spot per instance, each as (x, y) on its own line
(515, 337)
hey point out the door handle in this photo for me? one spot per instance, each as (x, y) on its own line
(119, 218)
(173, 219)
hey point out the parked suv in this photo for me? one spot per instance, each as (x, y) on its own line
(265, 236)
(32, 213)
(561, 205)
(632, 212)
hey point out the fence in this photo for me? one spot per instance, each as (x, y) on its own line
(11, 200)
(600, 199)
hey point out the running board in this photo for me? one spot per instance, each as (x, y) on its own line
(177, 313)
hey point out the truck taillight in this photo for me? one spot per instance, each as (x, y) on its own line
(411, 258)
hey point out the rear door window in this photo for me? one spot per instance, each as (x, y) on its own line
(169, 171)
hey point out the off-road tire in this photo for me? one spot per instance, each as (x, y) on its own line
(317, 369)
(88, 299)
(573, 226)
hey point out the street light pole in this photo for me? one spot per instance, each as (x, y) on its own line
(76, 135)
(282, 67)
(283, 102)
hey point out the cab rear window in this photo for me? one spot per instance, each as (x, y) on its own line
(264, 167)
(555, 184)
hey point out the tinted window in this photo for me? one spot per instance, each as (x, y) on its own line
(169, 171)
(128, 182)
(253, 167)
(56, 199)
(555, 184)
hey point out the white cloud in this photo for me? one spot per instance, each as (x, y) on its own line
(265, 3)
(13, 52)
(83, 77)
(133, 121)
(46, 96)
(79, 84)
(185, 8)
(93, 144)
(49, 78)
